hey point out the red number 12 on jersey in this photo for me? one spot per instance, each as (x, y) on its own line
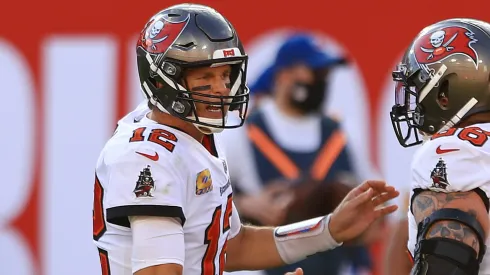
(211, 238)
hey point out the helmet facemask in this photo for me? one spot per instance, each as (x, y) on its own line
(173, 98)
(422, 105)
(408, 114)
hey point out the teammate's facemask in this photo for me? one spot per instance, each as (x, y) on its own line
(407, 115)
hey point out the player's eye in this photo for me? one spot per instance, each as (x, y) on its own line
(201, 88)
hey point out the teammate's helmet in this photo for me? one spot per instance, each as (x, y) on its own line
(442, 79)
(186, 36)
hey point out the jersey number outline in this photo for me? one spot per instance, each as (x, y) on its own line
(474, 135)
(99, 225)
(211, 238)
(98, 220)
(159, 136)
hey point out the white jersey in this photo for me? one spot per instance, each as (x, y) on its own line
(456, 161)
(149, 169)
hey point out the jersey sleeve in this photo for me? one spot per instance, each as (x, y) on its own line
(236, 224)
(451, 165)
(139, 186)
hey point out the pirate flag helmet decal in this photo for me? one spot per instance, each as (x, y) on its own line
(445, 42)
(160, 32)
(442, 79)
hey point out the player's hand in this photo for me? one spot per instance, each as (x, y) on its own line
(298, 271)
(360, 208)
(270, 206)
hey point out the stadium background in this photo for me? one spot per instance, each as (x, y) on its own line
(67, 74)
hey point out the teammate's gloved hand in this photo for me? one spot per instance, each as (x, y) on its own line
(360, 208)
(298, 271)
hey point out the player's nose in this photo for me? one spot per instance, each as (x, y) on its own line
(221, 87)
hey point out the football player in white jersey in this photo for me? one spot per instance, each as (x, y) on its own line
(163, 200)
(443, 101)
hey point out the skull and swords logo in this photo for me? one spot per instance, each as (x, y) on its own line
(437, 41)
(439, 44)
(154, 32)
(161, 32)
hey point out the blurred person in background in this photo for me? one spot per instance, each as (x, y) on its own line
(291, 161)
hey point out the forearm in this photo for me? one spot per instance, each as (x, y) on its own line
(262, 248)
(397, 258)
(258, 250)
